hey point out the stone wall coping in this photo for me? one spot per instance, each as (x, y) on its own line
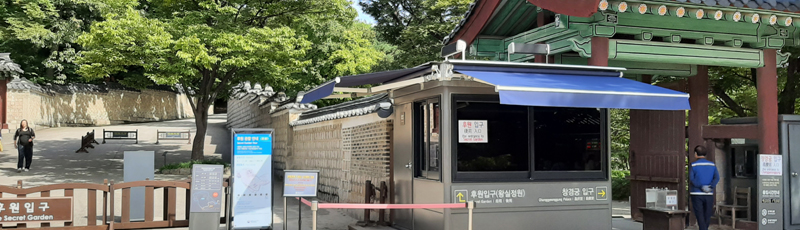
(25, 84)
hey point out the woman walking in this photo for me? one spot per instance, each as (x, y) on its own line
(23, 141)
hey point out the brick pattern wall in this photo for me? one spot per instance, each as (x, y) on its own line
(244, 113)
(281, 147)
(367, 152)
(95, 108)
(320, 149)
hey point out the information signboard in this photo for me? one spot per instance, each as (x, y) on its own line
(252, 178)
(33, 210)
(206, 188)
(300, 183)
(770, 212)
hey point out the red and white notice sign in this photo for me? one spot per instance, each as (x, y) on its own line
(473, 131)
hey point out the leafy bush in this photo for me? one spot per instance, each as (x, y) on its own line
(620, 185)
(188, 164)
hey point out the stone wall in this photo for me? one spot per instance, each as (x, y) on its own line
(82, 104)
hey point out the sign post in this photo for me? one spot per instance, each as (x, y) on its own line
(206, 196)
(299, 183)
(251, 179)
(138, 166)
(770, 185)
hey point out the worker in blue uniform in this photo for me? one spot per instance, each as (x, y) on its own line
(704, 178)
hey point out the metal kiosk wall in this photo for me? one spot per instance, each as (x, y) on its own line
(527, 142)
(251, 166)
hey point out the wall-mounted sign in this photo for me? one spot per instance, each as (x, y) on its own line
(473, 131)
(300, 183)
(252, 180)
(32, 210)
(771, 165)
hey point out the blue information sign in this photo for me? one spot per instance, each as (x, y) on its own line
(252, 180)
(300, 183)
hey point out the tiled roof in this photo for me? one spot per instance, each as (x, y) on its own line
(352, 108)
(792, 6)
(780, 5)
(8, 67)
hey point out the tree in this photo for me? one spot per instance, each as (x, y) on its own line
(42, 34)
(205, 46)
(620, 139)
(415, 27)
(734, 89)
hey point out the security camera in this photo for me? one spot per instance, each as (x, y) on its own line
(385, 105)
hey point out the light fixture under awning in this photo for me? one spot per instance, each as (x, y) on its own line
(586, 91)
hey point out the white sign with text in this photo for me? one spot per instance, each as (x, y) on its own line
(473, 131)
(771, 165)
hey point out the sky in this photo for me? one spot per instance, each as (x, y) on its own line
(361, 15)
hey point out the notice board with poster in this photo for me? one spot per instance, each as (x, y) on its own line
(252, 178)
(300, 183)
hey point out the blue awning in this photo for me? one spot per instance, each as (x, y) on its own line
(318, 93)
(384, 77)
(586, 91)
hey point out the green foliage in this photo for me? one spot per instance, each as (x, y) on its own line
(620, 139)
(486, 163)
(189, 164)
(620, 185)
(206, 46)
(42, 34)
(415, 27)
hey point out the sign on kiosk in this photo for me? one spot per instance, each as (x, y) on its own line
(300, 183)
(473, 131)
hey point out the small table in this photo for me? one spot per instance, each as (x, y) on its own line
(663, 219)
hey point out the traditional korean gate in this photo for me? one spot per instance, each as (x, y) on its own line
(657, 155)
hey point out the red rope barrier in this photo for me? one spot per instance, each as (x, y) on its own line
(382, 206)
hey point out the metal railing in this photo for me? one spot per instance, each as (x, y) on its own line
(315, 205)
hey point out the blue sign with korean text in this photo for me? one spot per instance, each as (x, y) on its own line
(252, 176)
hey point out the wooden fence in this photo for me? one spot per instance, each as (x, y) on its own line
(107, 191)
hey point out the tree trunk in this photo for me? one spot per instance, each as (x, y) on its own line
(201, 122)
(788, 97)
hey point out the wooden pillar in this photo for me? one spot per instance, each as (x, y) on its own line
(698, 115)
(768, 104)
(599, 52)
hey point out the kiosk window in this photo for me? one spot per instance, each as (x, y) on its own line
(506, 144)
(744, 161)
(427, 154)
(521, 143)
(567, 140)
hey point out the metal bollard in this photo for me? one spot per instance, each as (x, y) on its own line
(314, 207)
(470, 206)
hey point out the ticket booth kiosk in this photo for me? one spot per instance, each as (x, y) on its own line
(528, 143)
(742, 164)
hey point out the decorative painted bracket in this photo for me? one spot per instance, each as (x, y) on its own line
(783, 58)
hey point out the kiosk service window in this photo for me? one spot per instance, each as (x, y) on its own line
(524, 143)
